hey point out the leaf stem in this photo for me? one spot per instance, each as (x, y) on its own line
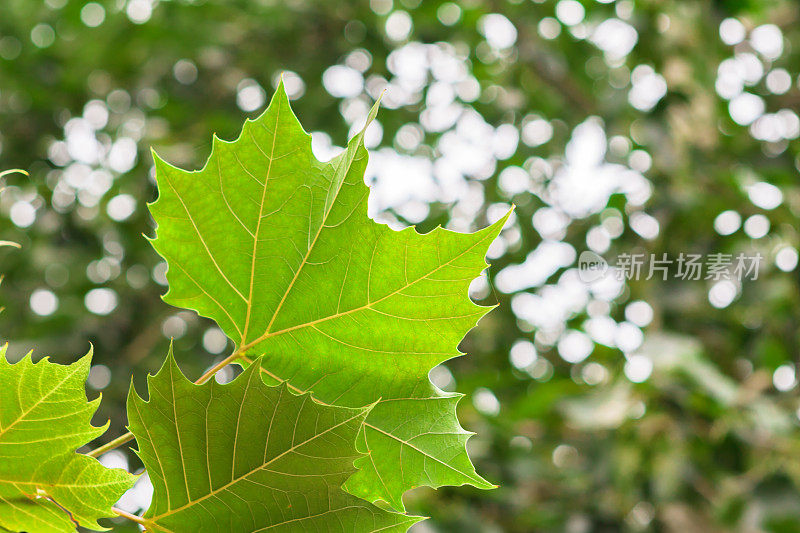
(208, 374)
(129, 516)
(108, 446)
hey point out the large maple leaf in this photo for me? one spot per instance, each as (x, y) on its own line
(246, 456)
(277, 248)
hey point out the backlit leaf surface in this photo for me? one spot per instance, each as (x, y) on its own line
(246, 456)
(278, 249)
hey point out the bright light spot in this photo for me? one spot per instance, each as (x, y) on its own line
(139, 11)
(294, 85)
(140, 495)
(594, 373)
(100, 301)
(42, 35)
(102, 270)
(598, 240)
(648, 87)
(442, 377)
(628, 337)
(358, 59)
(10, 47)
(478, 287)
(639, 313)
(121, 207)
(399, 26)
(250, 95)
(779, 81)
(160, 273)
(619, 145)
(185, 71)
(564, 455)
(43, 302)
(541, 263)
(497, 211)
(731, 31)
(722, 294)
(746, 108)
(409, 137)
(22, 214)
(499, 32)
(505, 141)
(601, 328)
(513, 180)
(468, 90)
(615, 38)
(570, 12)
(119, 100)
(122, 156)
(549, 28)
(224, 375)
(93, 14)
(114, 458)
(765, 195)
(767, 40)
(173, 327)
(727, 222)
(613, 224)
(640, 161)
(550, 223)
(638, 368)
(521, 443)
(137, 276)
(736, 72)
(772, 127)
(486, 402)
(380, 7)
(784, 378)
(343, 82)
(99, 378)
(645, 225)
(214, 340)
(729, 81)
(322, 147)
(448, 13)
(575, 346)
(756, 226)
(786, 259)
(750, 67)
(523, 354)
(95, 113)
(536, 130)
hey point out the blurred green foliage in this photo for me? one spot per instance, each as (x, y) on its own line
(694, 430)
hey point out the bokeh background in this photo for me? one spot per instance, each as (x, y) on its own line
(651, 126)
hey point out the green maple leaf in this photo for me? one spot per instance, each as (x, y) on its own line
(277, 248)
(247, 456)
(44, 417)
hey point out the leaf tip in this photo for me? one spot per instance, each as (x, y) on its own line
(133, 398)
(280, 91)
(157, 159)
(89, 355)
(169, 368)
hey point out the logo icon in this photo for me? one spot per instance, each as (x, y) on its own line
(591, 266)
